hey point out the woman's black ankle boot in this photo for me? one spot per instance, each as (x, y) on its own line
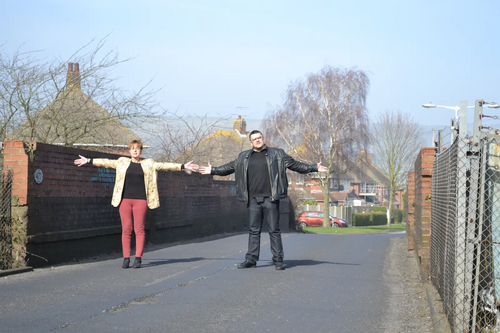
(126, 262)
(137, 262)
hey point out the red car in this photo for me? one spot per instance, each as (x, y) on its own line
(315, 219)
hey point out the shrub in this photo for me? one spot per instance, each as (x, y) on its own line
(310, 202)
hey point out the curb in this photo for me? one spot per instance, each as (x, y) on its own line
(434, 316)
(13, 271)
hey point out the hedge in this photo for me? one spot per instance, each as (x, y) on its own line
(398, 215)
(367, 219)
(379, 209)
(311, 202)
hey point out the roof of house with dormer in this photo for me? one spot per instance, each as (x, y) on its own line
(93, 125)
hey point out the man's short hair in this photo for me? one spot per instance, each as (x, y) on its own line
(254, 132)
(135, 143)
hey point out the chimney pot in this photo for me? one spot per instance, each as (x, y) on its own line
(240, 125)
(73, 78)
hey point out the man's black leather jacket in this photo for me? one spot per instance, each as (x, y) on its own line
(277, 161)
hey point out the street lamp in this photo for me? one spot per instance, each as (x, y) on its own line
(456, 108)
(453, 123)
(477, 117)
(492, 105)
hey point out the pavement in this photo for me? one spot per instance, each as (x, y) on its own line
(414, 306)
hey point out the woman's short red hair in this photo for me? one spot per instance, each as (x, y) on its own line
(135, 143)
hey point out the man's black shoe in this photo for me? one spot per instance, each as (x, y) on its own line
(247, 264)
(279, 266)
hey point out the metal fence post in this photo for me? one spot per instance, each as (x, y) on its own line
(5, 219)
(462, 274)
(476, 217)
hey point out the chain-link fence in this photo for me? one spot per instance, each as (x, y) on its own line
(5, 219)
(465, 235)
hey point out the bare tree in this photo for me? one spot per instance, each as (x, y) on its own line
(396, 140)
(183, 137)
(323, 118)
(35, 95)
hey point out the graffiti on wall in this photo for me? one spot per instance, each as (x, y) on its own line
(104, 176)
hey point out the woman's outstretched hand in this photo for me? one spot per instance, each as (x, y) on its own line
(191, 167)
(81, 161)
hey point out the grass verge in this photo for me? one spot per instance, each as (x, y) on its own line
(375, 229)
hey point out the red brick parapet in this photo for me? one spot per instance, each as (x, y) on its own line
(422, 208)
(410, 210)
(16, 157)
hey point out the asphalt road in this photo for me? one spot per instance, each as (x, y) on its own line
(333, 283)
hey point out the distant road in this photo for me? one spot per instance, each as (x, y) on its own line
(333, 283)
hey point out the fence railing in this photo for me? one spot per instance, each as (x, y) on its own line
(465, 229)
(5, 219)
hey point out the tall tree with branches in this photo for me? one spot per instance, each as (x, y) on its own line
(323, 118)
(29, 84)
(396, 140)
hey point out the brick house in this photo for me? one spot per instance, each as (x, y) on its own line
(363, 184)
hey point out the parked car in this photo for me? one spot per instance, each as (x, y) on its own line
(338, 222)
(315, 219)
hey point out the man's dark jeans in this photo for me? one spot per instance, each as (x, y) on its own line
(259, 210)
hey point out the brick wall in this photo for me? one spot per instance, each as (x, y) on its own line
(422, 234)
(69, 215)
(410, 210)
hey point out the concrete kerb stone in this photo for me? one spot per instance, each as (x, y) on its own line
(436, 319)
(439, 320)
(13, 271)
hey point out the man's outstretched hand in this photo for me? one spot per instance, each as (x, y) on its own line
(322, 168)
(205, 170)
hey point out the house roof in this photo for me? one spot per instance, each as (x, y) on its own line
(73, 118)
(221, 147)
(224, 145)
(303, 194)
(334, 196)
(363, 171)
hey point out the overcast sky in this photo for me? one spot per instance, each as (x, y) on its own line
(237, 57)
